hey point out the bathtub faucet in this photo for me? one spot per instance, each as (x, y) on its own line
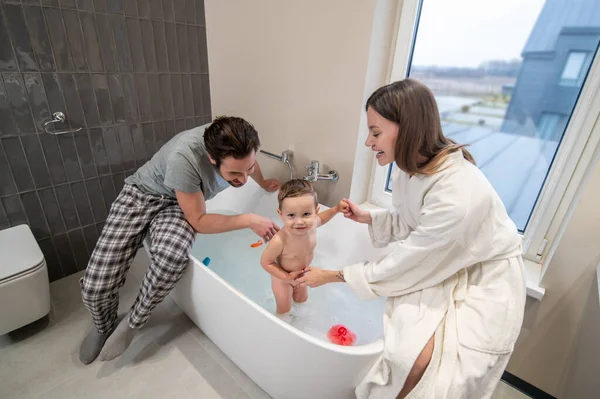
(314, 175)
(285, 157)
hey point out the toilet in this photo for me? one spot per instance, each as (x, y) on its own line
(24, 285)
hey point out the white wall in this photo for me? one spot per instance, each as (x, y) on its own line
(551, 353)
(297, 71)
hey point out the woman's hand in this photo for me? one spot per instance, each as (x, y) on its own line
(315, 277)
(353, 212)
(293, 276)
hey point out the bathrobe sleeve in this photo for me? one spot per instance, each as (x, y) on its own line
(387, 226)
(429, 255)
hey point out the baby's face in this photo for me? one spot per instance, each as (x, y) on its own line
(299, 214)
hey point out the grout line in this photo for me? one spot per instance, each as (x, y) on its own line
(3, 210)
(19, 73)
(112, 183)
(67, 44)
(38, 129)
(200, 115)
(135, 162)
(28, 167)
(60, 264)
(126, 42)
(149, 18)
(118, 138)
(12, 176)
(49, 177)
(91, 73)
(154, 137)
(60, 184)
(36, 190)
(71, 72)
(172, 3)
(113, 42)
(47, 33)
(12, 46)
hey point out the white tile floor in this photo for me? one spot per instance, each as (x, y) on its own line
(170, 358)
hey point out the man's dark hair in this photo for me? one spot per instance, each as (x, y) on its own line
(230, 136)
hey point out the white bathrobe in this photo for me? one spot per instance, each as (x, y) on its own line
(455, 271)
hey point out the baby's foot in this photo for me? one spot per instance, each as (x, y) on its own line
(289, 317)
(286, 317)
(119, 341)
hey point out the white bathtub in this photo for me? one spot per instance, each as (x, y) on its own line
(283, 361)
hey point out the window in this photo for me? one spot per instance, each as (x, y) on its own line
(496, 91)
(575, 68)
(547, 126)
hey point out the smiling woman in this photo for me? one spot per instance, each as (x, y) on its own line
(454, 279)
(420, 147)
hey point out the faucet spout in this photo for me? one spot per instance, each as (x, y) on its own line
(285, 157)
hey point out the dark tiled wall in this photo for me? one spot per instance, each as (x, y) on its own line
(130, 73)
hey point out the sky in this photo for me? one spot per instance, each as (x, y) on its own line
(464, 33)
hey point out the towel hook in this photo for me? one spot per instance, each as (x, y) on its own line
(58, 117)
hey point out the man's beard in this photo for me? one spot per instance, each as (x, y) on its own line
(233, 184)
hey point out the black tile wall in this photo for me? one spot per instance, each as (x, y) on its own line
(130, 74)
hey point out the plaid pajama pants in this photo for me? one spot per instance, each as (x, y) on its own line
(132, 216)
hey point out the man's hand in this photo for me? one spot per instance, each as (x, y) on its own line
(262, 227)
(271, 185)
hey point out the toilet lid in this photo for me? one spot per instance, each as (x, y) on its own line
(19, 252)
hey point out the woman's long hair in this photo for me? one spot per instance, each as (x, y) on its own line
(411, 105)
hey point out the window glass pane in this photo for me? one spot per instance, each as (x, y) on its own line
(495, 69)
(573, 66)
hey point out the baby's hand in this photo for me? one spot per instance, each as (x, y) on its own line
(342, 207)
(353, 212)
(292, 276)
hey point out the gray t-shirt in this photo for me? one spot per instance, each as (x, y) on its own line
(181, 164)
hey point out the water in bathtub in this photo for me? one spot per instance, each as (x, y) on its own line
(234, 260)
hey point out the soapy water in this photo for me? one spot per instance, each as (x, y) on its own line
(232, 258)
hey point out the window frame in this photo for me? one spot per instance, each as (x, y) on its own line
(574, 161)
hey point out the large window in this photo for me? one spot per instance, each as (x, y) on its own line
(498, 71)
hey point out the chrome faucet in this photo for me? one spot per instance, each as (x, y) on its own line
(285, 157)
(314, 175)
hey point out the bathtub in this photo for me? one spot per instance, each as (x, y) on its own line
(283, 360)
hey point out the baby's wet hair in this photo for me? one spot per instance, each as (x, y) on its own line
(296, 188)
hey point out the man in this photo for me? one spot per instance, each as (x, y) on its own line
(165, 199)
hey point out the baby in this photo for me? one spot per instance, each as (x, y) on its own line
(291, 250)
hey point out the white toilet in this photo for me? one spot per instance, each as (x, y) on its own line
(24, 285)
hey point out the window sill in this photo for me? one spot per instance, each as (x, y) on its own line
(533, 270)
(533, 275)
